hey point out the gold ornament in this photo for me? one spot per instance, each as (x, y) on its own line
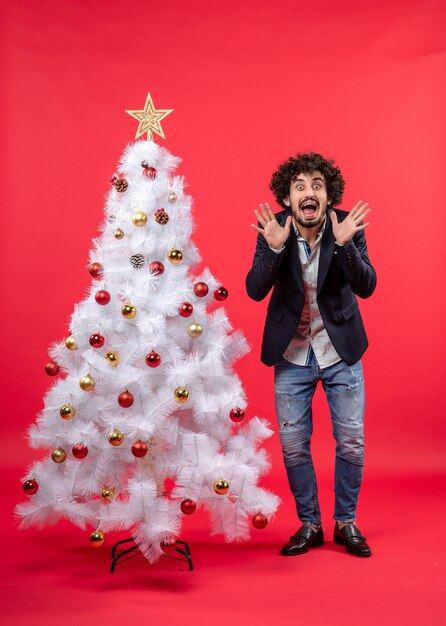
(120, 184)
(195, 329)
(87, 382)
(181, 394)
(175, 256)
(128, 311)
(70, 343)
(172, 197)
(97, 539)
(119, 234)
(221, 487)
(58, 455)
(149, 119)
(115, 437)
(112, 358)
(107, 495)
(139, 218)
(67, 411)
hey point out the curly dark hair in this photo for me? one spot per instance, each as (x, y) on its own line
(306, 163)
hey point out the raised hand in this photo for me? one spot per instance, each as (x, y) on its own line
(274, 234)
(344, 231)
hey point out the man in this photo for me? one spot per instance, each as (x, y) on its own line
(314, 258)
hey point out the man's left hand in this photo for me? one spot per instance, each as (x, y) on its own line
(345, 230)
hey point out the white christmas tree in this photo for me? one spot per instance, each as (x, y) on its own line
(147, 395)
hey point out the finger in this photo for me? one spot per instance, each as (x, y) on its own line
(333, 217)
(269, 211)
(363, 226)
(356, 208)
(260, 218)
(360, 215)
(288, 222)
(257, 229)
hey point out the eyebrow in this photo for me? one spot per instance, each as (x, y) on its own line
(301, 180)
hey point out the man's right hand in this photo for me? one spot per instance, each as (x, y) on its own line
(274, 234)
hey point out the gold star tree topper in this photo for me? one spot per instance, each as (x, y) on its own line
(149, 119)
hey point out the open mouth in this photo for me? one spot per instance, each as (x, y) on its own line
(309, 208)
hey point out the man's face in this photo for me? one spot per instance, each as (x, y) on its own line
(308, 199)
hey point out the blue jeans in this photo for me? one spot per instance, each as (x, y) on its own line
(294, 387)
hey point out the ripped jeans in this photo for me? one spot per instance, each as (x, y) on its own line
(294, 387)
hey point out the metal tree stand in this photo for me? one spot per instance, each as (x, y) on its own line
(124, 554)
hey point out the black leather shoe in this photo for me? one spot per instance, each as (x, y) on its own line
(351, 537)
(304, 539)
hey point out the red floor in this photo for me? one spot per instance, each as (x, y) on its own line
(52, 576)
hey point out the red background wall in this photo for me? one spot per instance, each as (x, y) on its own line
(251, 83)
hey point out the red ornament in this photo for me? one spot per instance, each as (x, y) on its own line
(201, 289)
(102, 297)
(188, 506)
(168, 545)
(221, 294)
(156, 268)
(125, 399)
(259, 521)
(79, 451)
(139, 449)
(30, 487)
(150, 172)
(113, 178)
(186, 309)
(97, 341)
(153, 359)
(52, 369)
(96, 270)
(237, 414)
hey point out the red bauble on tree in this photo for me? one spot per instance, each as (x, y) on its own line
(156, 268)
(125, 399)
(150, 172)
(185, 309)
(168, 544)
(139, 449)
(153, 359)
(201, 289)
(97, 340)
(52, 369)
(102, 297)
(188, 506)
(30, 487)
(96, 270)
(259, 521)
(221, 294)
(79, 451)
(237, 414)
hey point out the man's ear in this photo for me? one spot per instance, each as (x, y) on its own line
(286, 200)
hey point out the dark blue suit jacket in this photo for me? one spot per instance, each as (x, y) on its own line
(344, 273)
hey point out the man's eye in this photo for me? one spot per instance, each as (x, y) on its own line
(316, 186)
(299, 187)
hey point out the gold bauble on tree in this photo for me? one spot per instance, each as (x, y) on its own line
(58, 455)
(87, 382)
(175, 256)
(115, 437)
(221, 487)
(128, 311)
(70, 343)
(181, 394)
(112, 358)
(119, 233)
(195, 329)
(97, 539)
(67, 412)
(107, 495)
(172, 197)
(139, 218)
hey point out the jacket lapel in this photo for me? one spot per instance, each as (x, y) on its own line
(326, 253)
